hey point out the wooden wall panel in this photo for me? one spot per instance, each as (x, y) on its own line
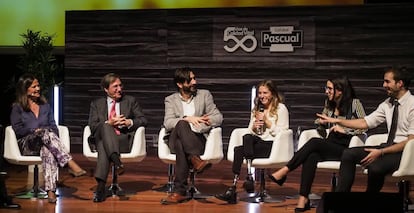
(145, 46)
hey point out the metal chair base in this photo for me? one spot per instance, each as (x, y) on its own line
(35, 191)
(169, 186)
(262, 196)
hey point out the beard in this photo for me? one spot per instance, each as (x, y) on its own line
(190, 89)
(392, 93)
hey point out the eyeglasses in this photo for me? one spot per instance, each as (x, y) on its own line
(328, 88)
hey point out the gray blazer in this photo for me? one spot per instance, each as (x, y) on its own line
(204, 105)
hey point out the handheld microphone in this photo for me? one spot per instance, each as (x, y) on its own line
(259, 129)
(261, 107)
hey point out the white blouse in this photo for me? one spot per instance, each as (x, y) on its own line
(279, 123)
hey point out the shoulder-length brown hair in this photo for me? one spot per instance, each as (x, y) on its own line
(24, 82)
(277, 97)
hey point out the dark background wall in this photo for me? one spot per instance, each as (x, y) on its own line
(145, 46)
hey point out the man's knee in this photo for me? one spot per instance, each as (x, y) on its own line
(248, 138)
(182, 124)
(348, 155)
(376, 169)
(238, 150)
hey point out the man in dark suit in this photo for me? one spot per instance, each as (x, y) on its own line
(189, 116)
(113, 120)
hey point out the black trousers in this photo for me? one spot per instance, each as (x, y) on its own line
(377, 170)
(107, 142)
(253, 147)
(184, 143)
(314, 151)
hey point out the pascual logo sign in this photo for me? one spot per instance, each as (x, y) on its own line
(282, 39)
(242, 38)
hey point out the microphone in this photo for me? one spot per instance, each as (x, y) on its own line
(260, 107)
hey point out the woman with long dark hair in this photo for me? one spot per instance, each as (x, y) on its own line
(37, 134)
(341, 102)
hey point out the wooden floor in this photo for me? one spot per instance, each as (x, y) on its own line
(140, 180)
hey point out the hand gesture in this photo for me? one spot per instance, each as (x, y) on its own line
(196, 121)
(324, 119)
(372, 156)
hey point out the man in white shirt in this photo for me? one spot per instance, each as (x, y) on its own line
(385, 158)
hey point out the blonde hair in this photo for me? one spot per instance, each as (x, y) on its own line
(276, 97)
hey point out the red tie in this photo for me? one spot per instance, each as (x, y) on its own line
(112, 114)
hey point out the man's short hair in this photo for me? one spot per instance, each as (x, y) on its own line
(400, 73)
(108, 79)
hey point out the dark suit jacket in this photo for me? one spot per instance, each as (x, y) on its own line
(129, 107)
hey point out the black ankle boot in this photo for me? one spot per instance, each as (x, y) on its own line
(230, 195)
(248, 185)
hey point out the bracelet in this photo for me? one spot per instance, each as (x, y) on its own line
(382, 152)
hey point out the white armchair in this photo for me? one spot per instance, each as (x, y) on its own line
(12, 155)
(306, 135)
(137, 154)
(213, 153)
(281, 153)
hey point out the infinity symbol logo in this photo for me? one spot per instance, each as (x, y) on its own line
(240, 43)
(229, 34)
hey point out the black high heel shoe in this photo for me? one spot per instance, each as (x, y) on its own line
(305, 208)
(230, 195)
(279, 182)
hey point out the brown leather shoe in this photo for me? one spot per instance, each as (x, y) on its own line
(174, 198)
(198, 164)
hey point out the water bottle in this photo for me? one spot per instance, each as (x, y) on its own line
(297, 136)
(298, 132)
(404, 189)
(333, 182)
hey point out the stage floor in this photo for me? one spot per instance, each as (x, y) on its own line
(141, 179)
